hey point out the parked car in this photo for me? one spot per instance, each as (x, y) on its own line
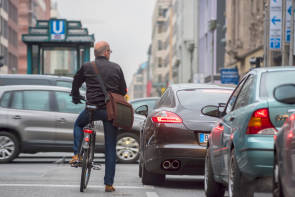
(34, 79)
(240, 147)
(173, 139)
(284, 148)
(41, 119)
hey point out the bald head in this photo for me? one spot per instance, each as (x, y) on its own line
(101, 48)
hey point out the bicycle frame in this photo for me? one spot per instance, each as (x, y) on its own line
(88, 149)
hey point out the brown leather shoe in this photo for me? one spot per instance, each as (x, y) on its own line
(109, 188)
(75, 159)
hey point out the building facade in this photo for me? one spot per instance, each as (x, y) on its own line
(9, 35)
(29, 12)
(211, 40)
(159, 47)
(244, 33)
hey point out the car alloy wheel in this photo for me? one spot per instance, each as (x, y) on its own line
(127, 148)
(8, 147)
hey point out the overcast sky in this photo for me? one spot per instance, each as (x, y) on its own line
(125, 24)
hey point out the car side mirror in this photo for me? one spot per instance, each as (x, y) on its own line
(211, 110)
(285, 93)
(142, 110)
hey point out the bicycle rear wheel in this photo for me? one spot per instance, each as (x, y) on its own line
(86, 169)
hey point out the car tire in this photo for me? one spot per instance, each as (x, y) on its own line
(277, 186)
(149, 178)
(237, 186)
(9, 147)
(127, 147)
(211, 187)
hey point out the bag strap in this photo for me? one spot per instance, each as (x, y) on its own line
(104, 90)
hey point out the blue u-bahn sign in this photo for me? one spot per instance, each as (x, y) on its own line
(57, 30)
(229, 75)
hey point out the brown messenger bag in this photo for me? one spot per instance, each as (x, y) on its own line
(118, 109)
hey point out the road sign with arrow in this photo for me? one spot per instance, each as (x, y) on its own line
(275, 27)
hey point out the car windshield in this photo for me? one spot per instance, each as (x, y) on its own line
(270, 80)
(195, 99)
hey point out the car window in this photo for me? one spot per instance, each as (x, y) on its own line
(65, 105)
(31, 100)
(150, 103)
(17, 100)
(247, 93)
(232, 100)
(269, 80)
(5, 99)
(167, 99)
(195, 99)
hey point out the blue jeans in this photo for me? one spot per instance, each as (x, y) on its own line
(110, 136)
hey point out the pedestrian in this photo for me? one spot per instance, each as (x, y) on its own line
(114, 81)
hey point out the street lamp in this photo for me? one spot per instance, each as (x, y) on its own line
(212, 27)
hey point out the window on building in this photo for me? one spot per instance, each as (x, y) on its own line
(160, 78)
(160, 62)
(5, 29)
(160, 47)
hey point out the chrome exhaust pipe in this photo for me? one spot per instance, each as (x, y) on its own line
(166, 165)
(175, 164)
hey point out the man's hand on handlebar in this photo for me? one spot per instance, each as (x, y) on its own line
(77, 99)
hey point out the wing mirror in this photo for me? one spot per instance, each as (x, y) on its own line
(213, 111)
(285, 93)
(142, 110)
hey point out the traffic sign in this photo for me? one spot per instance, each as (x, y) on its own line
(288, 20)
(275, 27)
(229, 75)
(57, 30)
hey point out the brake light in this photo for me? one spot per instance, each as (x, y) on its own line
(218, 128)
(290, 134)
(260, 123)
(87, 131)
(166, 117)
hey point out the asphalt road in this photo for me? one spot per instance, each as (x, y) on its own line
(46, 175)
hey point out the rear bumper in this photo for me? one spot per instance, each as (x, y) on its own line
(191, 157)
(256, 159)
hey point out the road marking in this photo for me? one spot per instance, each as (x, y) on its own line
(72, 186)
(151, 194)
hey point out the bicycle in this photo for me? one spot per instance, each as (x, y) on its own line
(87, 150)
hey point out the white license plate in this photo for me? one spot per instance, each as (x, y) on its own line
(203, 137)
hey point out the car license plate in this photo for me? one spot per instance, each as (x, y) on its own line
(203, 137)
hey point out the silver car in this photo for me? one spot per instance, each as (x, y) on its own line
(41, 119)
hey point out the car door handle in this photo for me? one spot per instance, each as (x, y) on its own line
(17, 117)
(231, 118)
(61, 120)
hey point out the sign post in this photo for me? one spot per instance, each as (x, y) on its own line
(275, 27)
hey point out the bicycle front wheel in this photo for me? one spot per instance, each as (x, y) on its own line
(86, 169)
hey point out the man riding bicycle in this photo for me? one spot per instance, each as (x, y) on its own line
(114, 81)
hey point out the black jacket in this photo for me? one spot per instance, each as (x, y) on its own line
(111, 74)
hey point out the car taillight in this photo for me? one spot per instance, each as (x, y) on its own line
(166, 117)
(218, 128)
(87, 131)
(260, 123)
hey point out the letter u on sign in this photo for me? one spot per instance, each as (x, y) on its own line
(57, 27)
